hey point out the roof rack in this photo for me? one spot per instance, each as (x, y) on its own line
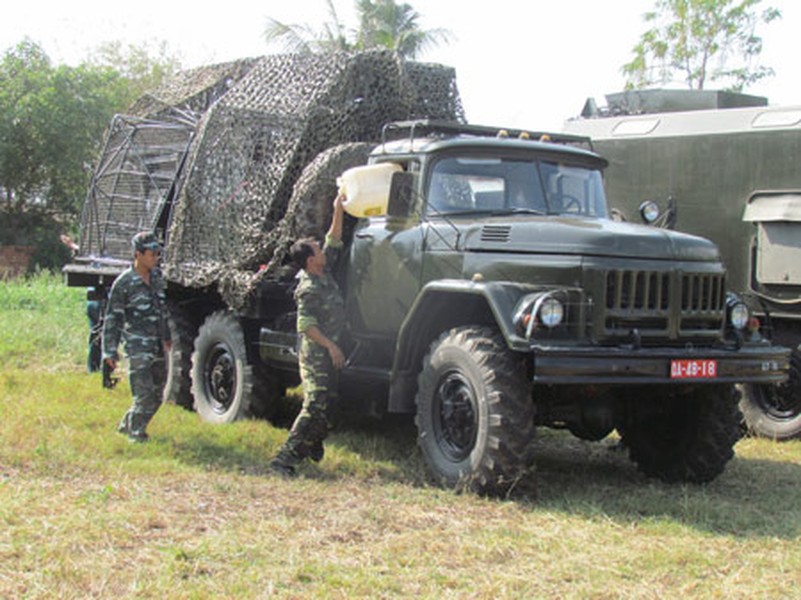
(423, 127)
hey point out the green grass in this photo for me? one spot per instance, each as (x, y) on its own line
(194, 514)
(42, 323)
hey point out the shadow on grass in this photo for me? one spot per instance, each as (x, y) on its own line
(213, 454)
(752, 498)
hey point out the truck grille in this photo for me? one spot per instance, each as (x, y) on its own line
(703, 302)
(664, 304)
(702, 293)
(637, 291)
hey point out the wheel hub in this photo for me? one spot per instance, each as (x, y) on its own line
(456, 423)
(221, 378)
(780, 401)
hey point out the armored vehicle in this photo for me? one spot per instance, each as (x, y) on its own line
(494, 296)
(728, 164)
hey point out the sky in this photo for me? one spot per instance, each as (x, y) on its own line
(519, 63)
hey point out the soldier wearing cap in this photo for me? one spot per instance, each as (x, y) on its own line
(321, 318)
(137, 313)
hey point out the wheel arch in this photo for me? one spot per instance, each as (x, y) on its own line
(443, 305)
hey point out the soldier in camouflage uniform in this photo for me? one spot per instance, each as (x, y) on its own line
(321, 319)
(137, 312)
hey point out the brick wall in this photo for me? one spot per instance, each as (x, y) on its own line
(14, 260)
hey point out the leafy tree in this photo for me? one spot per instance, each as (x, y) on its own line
(383, 24)
(52, 119)
(143, 67)
(700, 39)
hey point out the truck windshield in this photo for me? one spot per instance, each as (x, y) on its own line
(504, 186)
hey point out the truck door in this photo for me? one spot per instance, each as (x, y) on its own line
(383, 277)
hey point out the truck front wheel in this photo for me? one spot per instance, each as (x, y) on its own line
(474, 412)
(222, 379)
(774, 411)
(685, 435)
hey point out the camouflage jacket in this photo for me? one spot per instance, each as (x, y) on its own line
(137, 313)
(319, 299)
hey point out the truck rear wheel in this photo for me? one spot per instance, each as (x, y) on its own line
(222, 379)
(474, 412)
(774, 411)
(686, 436)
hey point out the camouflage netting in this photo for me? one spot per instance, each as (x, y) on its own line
(190, 93)
(241, 198)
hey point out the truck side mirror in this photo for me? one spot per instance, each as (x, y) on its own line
(401, 194)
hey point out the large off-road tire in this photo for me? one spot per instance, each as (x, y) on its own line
(687, 435)
(774, 411)
(474, 412)
(222, 379)
(183, 331)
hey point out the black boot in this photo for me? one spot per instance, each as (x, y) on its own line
(284, 464)
(317, 451)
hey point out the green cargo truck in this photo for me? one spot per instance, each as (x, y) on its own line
(730, 166)
(495, 295)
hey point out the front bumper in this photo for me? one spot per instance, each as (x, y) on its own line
(622, 365)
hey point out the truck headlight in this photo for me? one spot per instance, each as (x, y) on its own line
(738, 312)
(549, 311)
(542, 309)
(649, 211)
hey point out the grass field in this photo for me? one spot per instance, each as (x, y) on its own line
(194, 514)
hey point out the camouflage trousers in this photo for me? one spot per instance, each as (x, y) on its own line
(147, 376)
(315, 420)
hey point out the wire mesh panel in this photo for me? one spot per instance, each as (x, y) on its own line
(131, 184)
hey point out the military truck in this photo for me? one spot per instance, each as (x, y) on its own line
(495, 294)
(728, 164)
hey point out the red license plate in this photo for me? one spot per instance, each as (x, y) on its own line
(698, 368)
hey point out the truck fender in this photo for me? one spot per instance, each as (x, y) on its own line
(442, 305)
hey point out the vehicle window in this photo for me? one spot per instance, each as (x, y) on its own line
(573, 190)
(498, 185)
(451, 192)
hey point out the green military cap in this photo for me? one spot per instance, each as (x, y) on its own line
(144, 240)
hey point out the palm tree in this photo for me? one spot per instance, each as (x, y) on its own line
(388, 25)
(383, 24)
(303, 39)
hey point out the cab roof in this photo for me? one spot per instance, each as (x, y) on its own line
(424, 136)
